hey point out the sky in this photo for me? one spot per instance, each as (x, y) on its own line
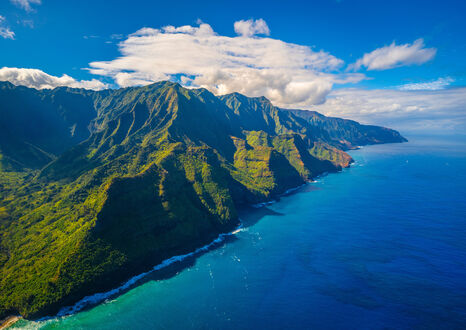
(394, 63)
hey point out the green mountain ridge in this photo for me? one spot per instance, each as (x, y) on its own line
(346, 133)
(96, 187)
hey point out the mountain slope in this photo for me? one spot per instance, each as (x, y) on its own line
(345, 133)
(36, 126)
(147, 173)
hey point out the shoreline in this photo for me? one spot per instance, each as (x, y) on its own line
(9, 321)
(100, 297)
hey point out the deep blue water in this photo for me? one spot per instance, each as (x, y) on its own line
(380, 245)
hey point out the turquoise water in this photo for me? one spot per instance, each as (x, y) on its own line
(380, 245)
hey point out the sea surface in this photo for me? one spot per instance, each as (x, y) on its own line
(379, 245)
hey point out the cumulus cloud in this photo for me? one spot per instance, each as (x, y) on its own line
(38, 79)
(393, 56)
(251, 27)
(26, 4)
(5, 31)
(405, 110)
(440, 83)
(288, 74)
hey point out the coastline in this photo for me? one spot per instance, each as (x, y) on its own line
(9, 321)
(99, 297)
(314, 223)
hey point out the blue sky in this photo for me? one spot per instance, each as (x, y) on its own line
(427, 38)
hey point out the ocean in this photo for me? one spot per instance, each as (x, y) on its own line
(381, 245)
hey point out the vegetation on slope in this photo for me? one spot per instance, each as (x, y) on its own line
(347, 134)
(143, 174)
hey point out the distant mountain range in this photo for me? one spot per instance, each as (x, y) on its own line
(96, 187)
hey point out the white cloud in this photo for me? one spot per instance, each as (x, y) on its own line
(393, 56)
(38, 79)
(26, 4)
(440, 83)
(251, 27)
(404, 110)
(5, 31)
(290, 75)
